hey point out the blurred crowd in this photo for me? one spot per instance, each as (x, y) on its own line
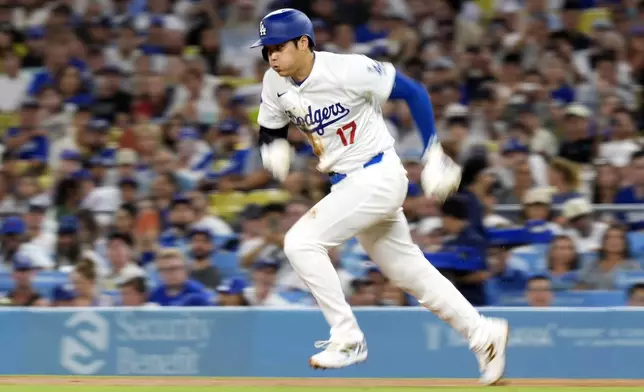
(130, 173)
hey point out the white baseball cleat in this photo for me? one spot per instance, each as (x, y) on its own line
(492, 359)
(338, 355)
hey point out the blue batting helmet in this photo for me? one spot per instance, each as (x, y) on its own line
(282, 26)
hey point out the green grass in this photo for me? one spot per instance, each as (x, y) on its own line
(93, 388)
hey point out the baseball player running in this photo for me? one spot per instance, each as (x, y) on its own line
(335, 100)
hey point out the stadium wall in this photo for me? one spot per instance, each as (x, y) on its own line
(410, 343)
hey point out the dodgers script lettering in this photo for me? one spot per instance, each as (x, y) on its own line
(319, 119)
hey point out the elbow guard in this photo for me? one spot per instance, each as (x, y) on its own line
(267, 135)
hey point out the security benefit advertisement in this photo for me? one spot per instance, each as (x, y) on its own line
(135, 343)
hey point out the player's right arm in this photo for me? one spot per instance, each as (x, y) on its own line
(273, 131)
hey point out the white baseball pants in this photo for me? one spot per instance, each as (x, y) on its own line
(367, 204)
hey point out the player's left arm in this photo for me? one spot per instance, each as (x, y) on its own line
(381, 80)
(419, 103)
(440, 176)
(367, 77)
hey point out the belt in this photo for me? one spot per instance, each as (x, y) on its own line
(334, 177)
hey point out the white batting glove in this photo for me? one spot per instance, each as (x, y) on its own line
(276, 157)
(441, 176)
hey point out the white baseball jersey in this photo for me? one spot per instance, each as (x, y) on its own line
(337, 107)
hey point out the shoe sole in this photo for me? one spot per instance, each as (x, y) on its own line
(315, 365)
(499, 381)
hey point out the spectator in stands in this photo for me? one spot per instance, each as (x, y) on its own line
(393, 295)
(63, 295)
(203, 218)
(607, 182)
(578, 145)
(202, 254)
(580, 226)
(164, 188)
(563, 263)
(563, 175)
(364, 292)
(522, 179)
(181, 216)
(491, 218)
(128, 190)
(7, 200)
(13, 235)
(539, 292)
(23, 293)
(67, 195)
(507, 272)
(636, 295)
(267, 235)
(121, 261)
(27, 142)
(373, 273)
(623, 143)
(124, 219)
(263, 289)
(467, 270)
(537, 209)
(134, 292)
(86, 290)
(40, 230)
(70, 86)
(176, 288)
(68, 247)
(614, 256)
(112, 102)
(231, 293)
(634, 193)
(476, 184)
(89, 234)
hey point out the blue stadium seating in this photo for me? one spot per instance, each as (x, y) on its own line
(44, 282)
(625, 279)
(581, 298)
(636, 241)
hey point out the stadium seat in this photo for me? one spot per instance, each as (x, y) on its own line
(227, 264)
(267, 196)
(44, 282)
(297, 297)
(227, 205)
(533, 261)
(582, 298)
(636, 242)
(625, 279)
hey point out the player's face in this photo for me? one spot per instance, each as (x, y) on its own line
(286, 58)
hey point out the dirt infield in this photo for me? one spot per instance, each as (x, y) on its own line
(301, 382)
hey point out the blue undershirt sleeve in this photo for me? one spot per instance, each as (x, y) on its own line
(420, 105)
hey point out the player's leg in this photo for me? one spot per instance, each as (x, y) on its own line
(355, 203)
(389, 245)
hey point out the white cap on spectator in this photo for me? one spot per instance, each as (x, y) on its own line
(456, 110)
(538, 196)
(508, 6)
(429, 225)
(127, 274)
(575, 208)
(578, 110)
(126, 156)
(496, 221)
